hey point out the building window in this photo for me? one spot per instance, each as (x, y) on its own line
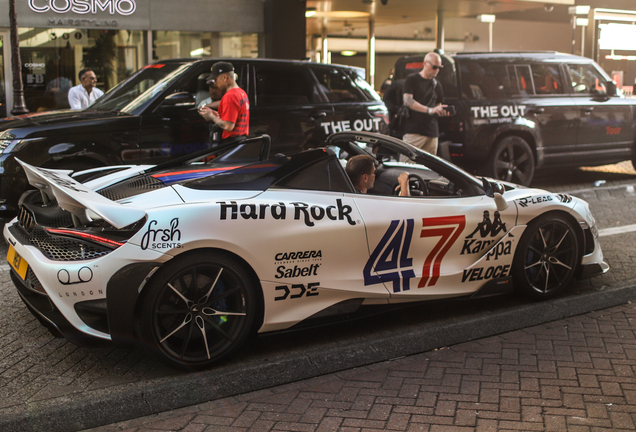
(180, 44)
(52, 58)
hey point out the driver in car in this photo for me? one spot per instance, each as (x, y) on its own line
(361, 171)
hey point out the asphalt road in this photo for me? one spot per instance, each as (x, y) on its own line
(48, 384)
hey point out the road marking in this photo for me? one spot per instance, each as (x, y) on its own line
(616, 230)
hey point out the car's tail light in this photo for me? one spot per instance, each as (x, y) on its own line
(113, 244)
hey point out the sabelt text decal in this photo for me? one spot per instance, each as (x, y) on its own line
(283, 272)
(162, 238)
(301, 211)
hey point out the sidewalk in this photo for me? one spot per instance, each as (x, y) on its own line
(574, 374)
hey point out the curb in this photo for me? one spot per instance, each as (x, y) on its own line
(95, 408)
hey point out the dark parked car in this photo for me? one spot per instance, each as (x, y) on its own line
(522, 111)
(151, 117)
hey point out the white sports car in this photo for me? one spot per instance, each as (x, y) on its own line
(188, 258)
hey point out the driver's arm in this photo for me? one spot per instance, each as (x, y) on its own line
(403, 179)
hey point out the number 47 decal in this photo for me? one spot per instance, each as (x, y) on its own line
(389, 262)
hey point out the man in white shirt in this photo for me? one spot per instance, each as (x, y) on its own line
(83, 95)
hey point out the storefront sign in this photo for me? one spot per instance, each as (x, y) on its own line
(121, 7)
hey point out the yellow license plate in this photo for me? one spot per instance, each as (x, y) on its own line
(18, 263)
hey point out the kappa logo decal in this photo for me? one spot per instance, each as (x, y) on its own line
(486, 229)
(390, 261)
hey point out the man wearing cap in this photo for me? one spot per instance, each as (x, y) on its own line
(233, 116)
(424, 97)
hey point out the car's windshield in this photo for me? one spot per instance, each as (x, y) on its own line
(140, 87)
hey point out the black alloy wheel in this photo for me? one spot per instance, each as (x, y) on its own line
(199, 309)
(546, 257)
(512, 161)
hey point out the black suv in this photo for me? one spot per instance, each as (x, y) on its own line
(521, 111)
(152, 117)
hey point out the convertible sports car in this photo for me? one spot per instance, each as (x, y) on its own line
(189, 257)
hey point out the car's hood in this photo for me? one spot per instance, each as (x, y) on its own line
(80, 200)
(64, 119)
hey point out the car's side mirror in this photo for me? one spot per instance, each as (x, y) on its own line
(178, 100)
(611, 88)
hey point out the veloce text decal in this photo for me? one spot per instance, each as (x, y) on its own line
(390, 257)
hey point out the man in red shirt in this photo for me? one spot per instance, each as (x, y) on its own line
(233, 115)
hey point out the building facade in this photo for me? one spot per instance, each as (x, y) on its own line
(58, 38)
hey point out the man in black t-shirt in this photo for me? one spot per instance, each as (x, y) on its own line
(424, 96)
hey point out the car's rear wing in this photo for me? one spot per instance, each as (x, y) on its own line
(83, 203)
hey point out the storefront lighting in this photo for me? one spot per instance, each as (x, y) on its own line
(486, 18)
(579, 10)
(582, 22)
(310, 12)
(620, 57)
(348, 53)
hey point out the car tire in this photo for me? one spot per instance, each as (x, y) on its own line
(511, 160)
(546, 258)
(182, 316)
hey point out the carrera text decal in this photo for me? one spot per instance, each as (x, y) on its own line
(300, 211)
(288, 264)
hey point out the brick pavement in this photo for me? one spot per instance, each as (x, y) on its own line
(575, 374)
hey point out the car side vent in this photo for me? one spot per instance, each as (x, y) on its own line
(26, 219)
(131, 187)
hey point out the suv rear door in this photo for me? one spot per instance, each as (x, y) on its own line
(356, 106)
(286, 104)
(548, 103)
(605, 128)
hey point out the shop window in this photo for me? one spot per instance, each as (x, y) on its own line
(182, 44)
(586, 79)
(547, 79)
(336, 85)
(281, 85)
(52, 58)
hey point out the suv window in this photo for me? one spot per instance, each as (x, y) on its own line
(336, 85)
(484, 80)
(280, 85)
(521, 77)
(586, 79)
(547, 79)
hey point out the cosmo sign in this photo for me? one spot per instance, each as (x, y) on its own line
(121, 7)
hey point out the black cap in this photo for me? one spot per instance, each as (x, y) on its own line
(218, 69)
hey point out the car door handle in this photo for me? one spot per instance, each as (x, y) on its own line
(316, 114)
(587, 110)
(535, 111)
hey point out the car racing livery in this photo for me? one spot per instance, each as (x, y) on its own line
(189, 257)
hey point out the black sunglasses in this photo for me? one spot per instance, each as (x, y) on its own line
(435, 67)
